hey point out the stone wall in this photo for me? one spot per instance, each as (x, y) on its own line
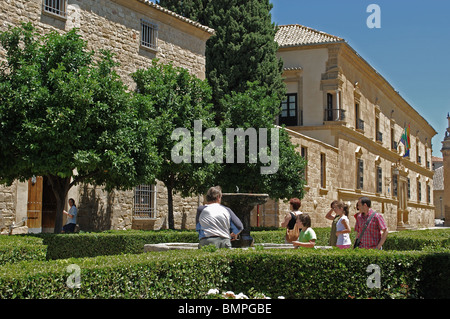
(7, 207)
(115, 25)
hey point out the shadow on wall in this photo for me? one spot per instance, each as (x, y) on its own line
(95, 208)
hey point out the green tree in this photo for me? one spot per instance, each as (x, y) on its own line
(253, 110)
(68, 116)
(246, 78)
(175, 100)
(243, 48)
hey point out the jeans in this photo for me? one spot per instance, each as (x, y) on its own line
(219, 242)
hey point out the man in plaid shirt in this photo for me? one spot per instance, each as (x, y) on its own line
(376, 232)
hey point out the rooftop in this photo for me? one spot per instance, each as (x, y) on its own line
(176, 15)
(296, 35)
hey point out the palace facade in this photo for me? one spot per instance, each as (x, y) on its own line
(344, 117)
(348, 121)
(137, 31)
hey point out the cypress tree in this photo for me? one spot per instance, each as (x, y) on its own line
(242, 50)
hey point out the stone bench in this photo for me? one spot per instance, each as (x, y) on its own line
(185, 246)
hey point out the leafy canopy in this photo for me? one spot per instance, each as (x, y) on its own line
(64, 112)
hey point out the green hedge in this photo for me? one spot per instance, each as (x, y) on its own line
(300, 273)
(112, 242)
(20, 247)
(61, 246)
(418, 239)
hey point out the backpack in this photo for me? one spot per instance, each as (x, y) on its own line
(292, 231)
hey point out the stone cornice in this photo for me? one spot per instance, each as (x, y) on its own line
(171, 18)
(369, 144)
(363, 66)
(353, 58)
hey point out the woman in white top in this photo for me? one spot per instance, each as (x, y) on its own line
(343, 226)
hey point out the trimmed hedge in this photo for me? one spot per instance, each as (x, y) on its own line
(61, 246)
(112, 242)
(21, 247)
(300, 273)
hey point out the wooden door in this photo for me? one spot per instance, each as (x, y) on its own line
(34, 205)
(48, 207)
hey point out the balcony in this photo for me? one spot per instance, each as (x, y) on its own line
(394, 146)
(360, 125)
(334, 115)
(379, 137)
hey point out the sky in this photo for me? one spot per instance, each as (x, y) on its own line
(410, 49)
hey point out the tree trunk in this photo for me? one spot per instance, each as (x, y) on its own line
(60, 187)
(170, 205)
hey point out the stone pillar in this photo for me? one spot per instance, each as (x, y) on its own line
(446, 161)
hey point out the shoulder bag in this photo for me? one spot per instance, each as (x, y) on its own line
(358, 240)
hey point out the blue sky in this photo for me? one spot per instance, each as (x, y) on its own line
(411, 49)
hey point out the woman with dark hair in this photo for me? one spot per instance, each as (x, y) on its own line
(307, 237)
(292, 232)
(343, 226)
(69, 227)
(331, 215)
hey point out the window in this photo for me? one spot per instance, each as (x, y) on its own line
(57, 7)
(418, 159)
(144, 203)
(360, 174)
(323, 180)
(288, 115)
(393, 141)
(419, 191)
(409, 188)
(395, 185)
(149, 35)
(428, 194)
(378, 133)
(379, 180)
(304, 153)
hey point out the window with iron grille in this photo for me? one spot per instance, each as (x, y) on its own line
(57, 7)
(360, 174)
(149, 35)
(409, 188)
(379, 180)
(144, 203)
(395, 185)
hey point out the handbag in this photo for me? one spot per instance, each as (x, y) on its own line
(292, 234)
(358, 241)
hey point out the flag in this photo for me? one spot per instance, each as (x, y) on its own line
(405, 139)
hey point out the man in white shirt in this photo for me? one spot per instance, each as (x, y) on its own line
(216, 224)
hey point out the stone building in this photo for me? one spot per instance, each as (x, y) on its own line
(347, 121)
(136, 31)
(438, 186)
(446, 174)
